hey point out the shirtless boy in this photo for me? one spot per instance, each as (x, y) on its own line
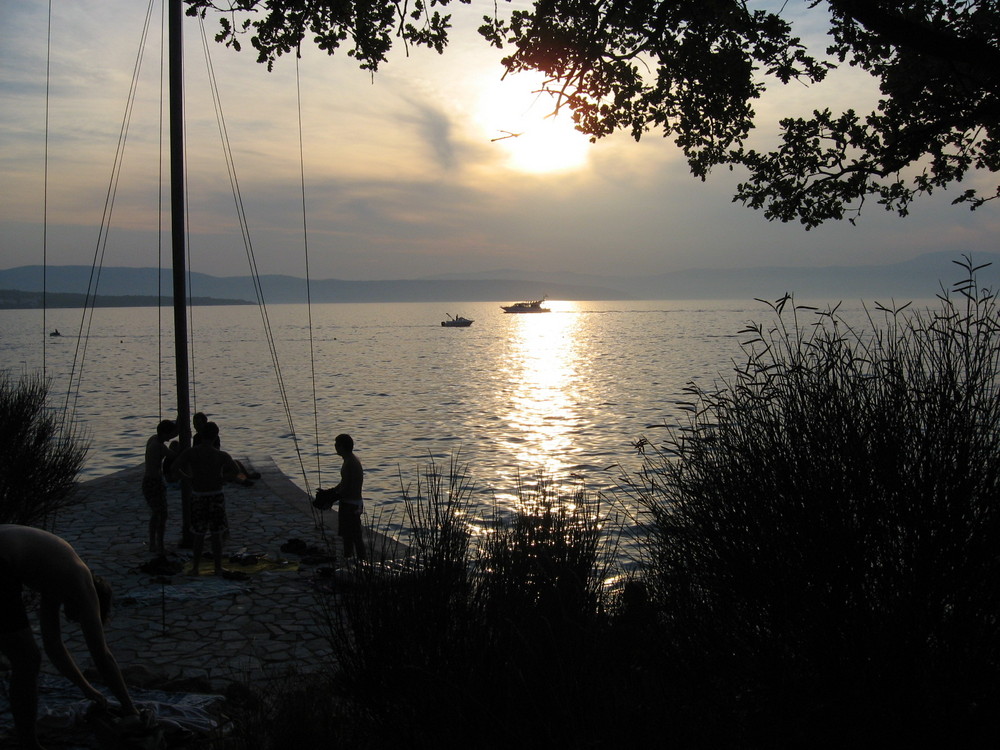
(49, 565)
(207, 468)
(153, 487)
(352, 478)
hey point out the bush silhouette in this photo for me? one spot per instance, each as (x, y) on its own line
(39, 460)
(478, 627)
(824, 534)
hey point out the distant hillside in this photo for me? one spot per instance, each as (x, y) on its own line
(12, 299)
(919, 278)
(278, 288)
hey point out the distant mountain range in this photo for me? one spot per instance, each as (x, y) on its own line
(919, 278)
(14, 299)
(277, 288)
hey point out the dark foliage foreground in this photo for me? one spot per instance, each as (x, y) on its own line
(825, 534)
(489, 639)
(822, 550)
(39, 459)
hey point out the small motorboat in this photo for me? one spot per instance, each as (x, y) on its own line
(534, 306)
(456, 322)
(55, 332)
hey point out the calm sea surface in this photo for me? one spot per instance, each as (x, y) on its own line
(565, 393)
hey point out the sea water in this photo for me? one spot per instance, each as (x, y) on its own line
(564, 395)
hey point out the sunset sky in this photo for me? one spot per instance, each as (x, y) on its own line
(403, 177)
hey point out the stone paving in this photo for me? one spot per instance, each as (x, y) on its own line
(207, 630)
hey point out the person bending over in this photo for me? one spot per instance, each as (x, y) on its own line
(49, 565)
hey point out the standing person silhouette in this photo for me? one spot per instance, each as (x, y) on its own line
(199, 420)
(49, 565)
(348, 494)
(207, 468)
(154, 487)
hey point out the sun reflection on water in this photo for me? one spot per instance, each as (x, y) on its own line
(543, 374)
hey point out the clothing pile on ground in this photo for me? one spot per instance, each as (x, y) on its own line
(166, 720)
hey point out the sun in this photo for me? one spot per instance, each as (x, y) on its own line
(519, 122)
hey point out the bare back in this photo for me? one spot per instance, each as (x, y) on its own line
(49, 565)
(45, 563)
(352, 478)
(156, 451)
(207, 467)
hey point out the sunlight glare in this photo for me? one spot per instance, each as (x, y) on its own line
(515, 117)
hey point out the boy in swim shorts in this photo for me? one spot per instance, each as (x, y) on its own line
(154, 488)
(208, 468)
(348, 492)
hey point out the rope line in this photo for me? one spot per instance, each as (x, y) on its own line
(305, 246)
(86, 319)
(159, 218)
(248, 247)
(189, 308)
(45, 196)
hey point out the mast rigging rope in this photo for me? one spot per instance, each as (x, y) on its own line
(45, 194)
(86, 322)
(317, 515)
(248, 246)
(86, 319)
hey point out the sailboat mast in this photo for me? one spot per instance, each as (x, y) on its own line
(177, 222)
(175, 17)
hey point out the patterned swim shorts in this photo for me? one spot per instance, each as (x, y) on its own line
(208, 512)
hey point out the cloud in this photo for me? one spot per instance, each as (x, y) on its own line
(401, 177)
(436, 130)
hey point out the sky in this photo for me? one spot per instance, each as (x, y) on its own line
(403, 175)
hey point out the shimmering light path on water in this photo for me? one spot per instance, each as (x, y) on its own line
(565, 393)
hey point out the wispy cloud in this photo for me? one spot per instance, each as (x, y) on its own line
(401, 176)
